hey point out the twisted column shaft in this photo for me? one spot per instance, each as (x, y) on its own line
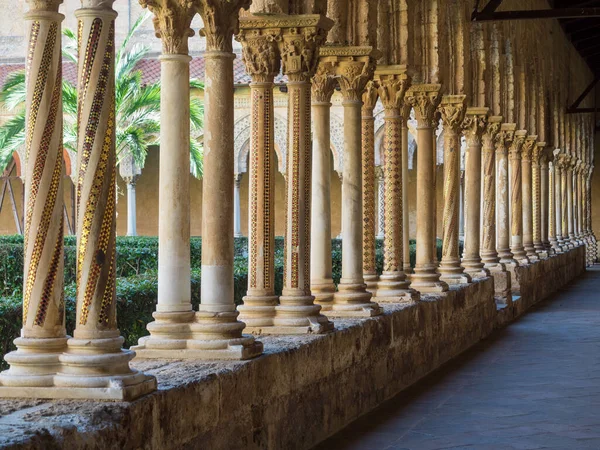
(517, 198)
(504, 140)
(528, 194)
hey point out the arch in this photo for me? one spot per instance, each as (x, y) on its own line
(17, 159)
(241, 143)
(337, 142)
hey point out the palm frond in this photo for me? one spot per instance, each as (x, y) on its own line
(130, 59)
(69, 50)
(12, 136)
(196, 158)
(196, 84)
(196, 114)
(69, 93)
(14, 90)
(138, 23)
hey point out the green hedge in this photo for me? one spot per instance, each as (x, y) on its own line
(137, 283)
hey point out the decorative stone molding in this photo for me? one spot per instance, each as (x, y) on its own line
(424, 99)
(259, 53)
(172, 23)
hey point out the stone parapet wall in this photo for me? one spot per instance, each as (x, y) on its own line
(304, 388)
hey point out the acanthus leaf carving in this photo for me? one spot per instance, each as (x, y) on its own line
(392, 90)
(452, 111)
(260, 53)
(299, 52)
(221, 22)
(370, 96)
(424, 99)
(323, 82)
(491, 131)
(528, 146)
(474, 124)
(172, 23)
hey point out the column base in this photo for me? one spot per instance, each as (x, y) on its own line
(531, 254)
(452, 272)
(520, 255)
(495, 267)
(258, 311)
(475, 268)
(247, 349)
(353, 300)
(426, 280)
(322, 291)
(297, 315)
(372, 282)
(407, 269)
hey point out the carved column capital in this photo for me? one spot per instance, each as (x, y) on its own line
(369, 98)
(172, 23)
(475, 123)
(505, 137)
(260, 52)
(527, 149)
(452, 110)
(424, 99)
(392, 83)
(323, 83)
(43, 6)
(492, 129)
(517, 144)
(221, 21)
(299, 46)
(538, 153)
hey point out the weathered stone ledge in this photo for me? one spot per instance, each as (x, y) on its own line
(303, 389)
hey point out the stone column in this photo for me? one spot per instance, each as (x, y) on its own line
(96, 340)
(405, 114)
(452, 109)
(592, 237)
(237, 219)
(536, 196)
(570, 164)
(321, 282)
(299, 48)
(368, 192)
(489, 254)
(354, 67)
(561, 220)
(424, 99)
(216, 331)
(516, 204)
(504, 141)
(380, 203)
(43, 336)
(393, 285)
(261, 59)
(552, 214)
(173, 315)
(461, 214)
(131, 206)
(578, 201)
(474, 126)
(544, 203)
(527, 190)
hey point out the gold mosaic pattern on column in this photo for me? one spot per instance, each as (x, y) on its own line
(368, 193)
(536, 194)
(392, 257)
(563, 191)
(256, 95)
(102, 176)
(107, 235)
(42, 152)
(516, 195)
(551, 200)
(307, 189)
(294, 174)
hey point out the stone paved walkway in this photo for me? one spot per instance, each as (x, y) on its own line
(533, 385)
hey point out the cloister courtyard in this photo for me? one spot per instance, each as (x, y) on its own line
(288, 224)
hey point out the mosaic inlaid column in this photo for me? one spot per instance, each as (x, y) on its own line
(474, 126)
(174, 315)
(321, 281)
(578, 201)
(299, 48)
(568, 175)
(561, 220)
(216, 331)
(489, 254)
(536, 204)
(261, 59)
(405, 114)
(380, 202)
(452, 109)
(527, 191)
(552, 206)
(96, 340)
(368, 191)
(544, 209)
(516, 198)
(393, 285)
(504, 141)
(354, 67)
(424, 99)
(43, 335)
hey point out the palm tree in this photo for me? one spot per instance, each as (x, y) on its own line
(137, 107)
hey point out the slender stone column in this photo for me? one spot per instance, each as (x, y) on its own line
(578, 202)
(262, 62)
(593, 239)
(354, 67)
(543, 223)
(424, 99)
(527, 190)
(552, 207)
(43, 336)
(321, 281)
(380, 203)
(405, 114)
(461, 214)
(561, 220)
(489, 255)
(299, 48)
(570, 164)
(131, 207)
(368, 192)
(237, 219)
(393, 285)
(96, 340)
(516, 246)
(504, 141)
(452, 109)
(474, 125)
(216, 331)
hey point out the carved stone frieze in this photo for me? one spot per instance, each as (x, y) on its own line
(172, 20)
(260, 53)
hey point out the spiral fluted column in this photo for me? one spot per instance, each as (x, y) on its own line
(527, 191)
(452, 110)
(516, 242)
(504, 141)
(552, 210)
(536, 205)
